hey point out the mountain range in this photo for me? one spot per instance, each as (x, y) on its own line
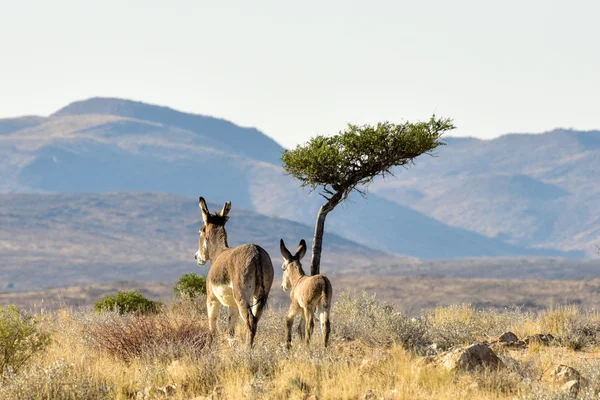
(52, 240)
(518, 195)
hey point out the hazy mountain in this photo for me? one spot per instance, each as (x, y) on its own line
(530, 190)
(246, 141)
(9, 125)
(107, 145)
(50, 240)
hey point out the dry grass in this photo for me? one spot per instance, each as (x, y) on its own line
(374, 353)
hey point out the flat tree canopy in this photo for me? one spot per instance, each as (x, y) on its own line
(350, 160)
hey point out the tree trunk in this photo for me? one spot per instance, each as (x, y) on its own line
(317, 246)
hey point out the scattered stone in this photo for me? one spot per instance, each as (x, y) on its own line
(433, 349)
(472, 357)
(218, 392)
(168, 390)
(143, 394)
(571, 387)
(561, 374)
(544, 339)
(369, 395)
(508, 338)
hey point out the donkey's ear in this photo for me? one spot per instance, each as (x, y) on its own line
(284, 251)
(203, 209)
(301, 250)
(226, 208)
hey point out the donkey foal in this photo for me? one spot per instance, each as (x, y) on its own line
(309, 293)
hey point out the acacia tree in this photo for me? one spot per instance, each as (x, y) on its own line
(349, 161)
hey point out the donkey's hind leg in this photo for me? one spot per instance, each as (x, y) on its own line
(245, 313)
(258, 306)
(234, 315)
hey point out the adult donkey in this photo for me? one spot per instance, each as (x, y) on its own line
(240, 278)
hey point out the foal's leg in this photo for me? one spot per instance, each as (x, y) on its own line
(289, 322)
(325, 325)
(301, 327)
(310, 324)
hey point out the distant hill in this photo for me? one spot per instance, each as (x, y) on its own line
(246, 141)
(10, 125)
(72, 239)
(107, 145)
(536, 191)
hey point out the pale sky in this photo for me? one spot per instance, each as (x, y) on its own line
(296, 69)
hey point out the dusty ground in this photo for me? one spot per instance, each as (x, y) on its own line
(410, 294)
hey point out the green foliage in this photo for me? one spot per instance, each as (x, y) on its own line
(127, 302)
(20, 338)
(360, 153)
(190, 286)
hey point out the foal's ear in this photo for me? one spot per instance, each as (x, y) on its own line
(204, 209)
(301, 250)
(284, 251)
(226, 208)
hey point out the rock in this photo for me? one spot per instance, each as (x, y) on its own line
(472, 357)
(168, 390)
(143, 394)
(561, 374)
(369, 395)
(571, 387)
(433, 349)
(508, 338)
(541, 338)
(218, 392)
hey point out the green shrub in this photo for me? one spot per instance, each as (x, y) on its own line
(20, 338)
(190, 286)
(127, 302)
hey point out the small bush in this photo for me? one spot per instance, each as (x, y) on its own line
(160, 335)
(190, 286)
(574, 328)
(127, 302)
(375, 322)
(462, 324)
(20, 338)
